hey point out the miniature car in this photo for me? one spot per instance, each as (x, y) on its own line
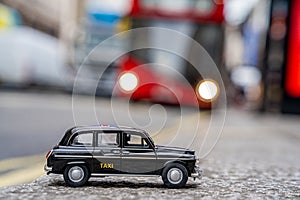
(102, 150)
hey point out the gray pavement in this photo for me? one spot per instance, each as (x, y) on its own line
(257, 157)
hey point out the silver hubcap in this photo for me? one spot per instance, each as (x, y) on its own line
(76, 174)
(175, 175)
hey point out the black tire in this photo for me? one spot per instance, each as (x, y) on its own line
(179, 173)
(80, 175)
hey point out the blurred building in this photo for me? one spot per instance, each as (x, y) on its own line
(37, 41)
(55, 17)
(282, 60)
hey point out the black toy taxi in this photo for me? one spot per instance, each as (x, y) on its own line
(91, 151)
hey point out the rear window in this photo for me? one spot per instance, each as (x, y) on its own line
(82, 139)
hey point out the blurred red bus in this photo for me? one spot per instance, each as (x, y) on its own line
(202, 20)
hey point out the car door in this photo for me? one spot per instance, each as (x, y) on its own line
(138, 155)
(107, 153)
(79, 149)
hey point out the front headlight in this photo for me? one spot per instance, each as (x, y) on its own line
(128, 81)
(207, 90)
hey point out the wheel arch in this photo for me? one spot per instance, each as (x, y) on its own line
(77, 163)
(179, 162)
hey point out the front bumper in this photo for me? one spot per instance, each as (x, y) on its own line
(197, 173)
(48, 169)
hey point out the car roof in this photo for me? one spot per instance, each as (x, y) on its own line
(105, 128)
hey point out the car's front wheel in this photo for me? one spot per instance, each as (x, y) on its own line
(175, 175)
(76, 175)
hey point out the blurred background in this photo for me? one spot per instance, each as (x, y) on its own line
(43, 46)
(255, 45)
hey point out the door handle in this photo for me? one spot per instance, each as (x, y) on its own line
(115, 151)
(125, 152)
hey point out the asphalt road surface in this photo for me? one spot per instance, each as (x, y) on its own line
(257, 157)
(33, 122)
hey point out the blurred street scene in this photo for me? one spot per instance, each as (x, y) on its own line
(256, 156)
(225, 68)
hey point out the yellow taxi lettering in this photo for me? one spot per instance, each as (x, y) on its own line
(106, 165)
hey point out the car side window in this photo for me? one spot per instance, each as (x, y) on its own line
(83, 139)
(108, 139)
(135, 140)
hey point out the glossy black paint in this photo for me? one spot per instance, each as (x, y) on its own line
(118, 157)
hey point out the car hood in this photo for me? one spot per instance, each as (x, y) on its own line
(177, 150)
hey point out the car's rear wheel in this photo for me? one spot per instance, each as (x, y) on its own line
(76, 175)
(175, 175)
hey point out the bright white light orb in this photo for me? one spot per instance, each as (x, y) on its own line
(128, 81)
(208, 90)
